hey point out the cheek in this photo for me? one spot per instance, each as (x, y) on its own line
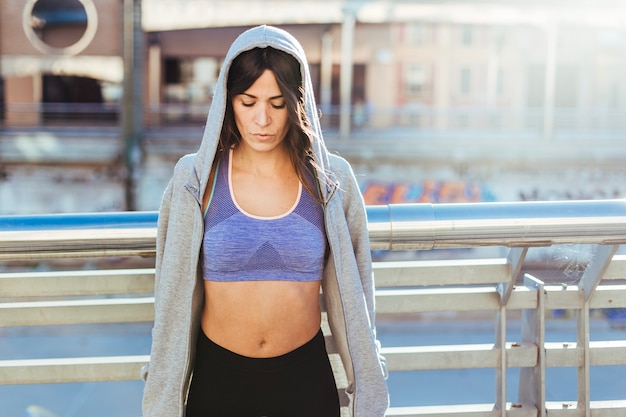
(283, 120)
(239, 120)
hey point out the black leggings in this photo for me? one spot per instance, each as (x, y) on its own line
(299, 383)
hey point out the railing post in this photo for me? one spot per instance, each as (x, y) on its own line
(532, 386)
(501, 369)
(584, 369)
(596, 269)
(515, 260)
(587, 284)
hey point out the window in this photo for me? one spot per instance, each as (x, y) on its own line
(190, 79)
(416, 79)
(420, 34)
(500, 82)
(172, 71)
(465, 85)
(467, 35)
(63, 27)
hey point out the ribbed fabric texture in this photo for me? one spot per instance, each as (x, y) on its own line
(240, 247)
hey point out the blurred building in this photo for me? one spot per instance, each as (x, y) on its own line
(59, 60)
(441, 100)
(468, 65)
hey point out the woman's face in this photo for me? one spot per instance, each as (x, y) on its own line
(261, 114)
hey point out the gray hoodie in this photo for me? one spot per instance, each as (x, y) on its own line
(347, 284)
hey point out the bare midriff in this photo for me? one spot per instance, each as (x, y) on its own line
(261, 319)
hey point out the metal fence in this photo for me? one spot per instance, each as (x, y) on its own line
(461, 284)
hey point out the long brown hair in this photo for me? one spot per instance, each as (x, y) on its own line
(245, 69)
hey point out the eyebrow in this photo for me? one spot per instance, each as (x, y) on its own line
(255, 97)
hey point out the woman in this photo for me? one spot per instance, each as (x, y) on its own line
(250, 228)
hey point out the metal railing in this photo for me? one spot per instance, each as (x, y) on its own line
(497, 285)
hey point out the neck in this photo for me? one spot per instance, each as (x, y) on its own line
(276, 162)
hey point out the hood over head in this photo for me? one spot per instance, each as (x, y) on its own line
(258, 37)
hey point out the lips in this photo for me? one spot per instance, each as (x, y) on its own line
(263, 136)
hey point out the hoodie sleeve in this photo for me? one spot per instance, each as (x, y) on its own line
(162, 222)
(175, 280)
(356, 217)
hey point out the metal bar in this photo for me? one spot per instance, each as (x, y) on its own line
(443, 272)
(391, 227)
(519, 224)
(450, 299)
(74, 283)
(617, 268)
(78, 221)
(462, 410)
(563, 354)
(54, 244)
(570, 297)
(595, 270)
(563, 297)
(601, 353)
(584, 369)
(532, 385)
(599, 409)
(77, 235)
(474, 356)
(608, 296)
(106, 310)
(500, 403)
(64, 370)
(516, 260)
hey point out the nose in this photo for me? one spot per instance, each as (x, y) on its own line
(263, 115)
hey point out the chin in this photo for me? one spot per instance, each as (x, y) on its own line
(264, 146)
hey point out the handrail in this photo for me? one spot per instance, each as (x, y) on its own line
(391, 227)
(77, 235)
(429, 226)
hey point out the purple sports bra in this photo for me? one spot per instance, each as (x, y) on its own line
(240, 247)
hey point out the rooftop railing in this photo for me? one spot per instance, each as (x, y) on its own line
(461, 284)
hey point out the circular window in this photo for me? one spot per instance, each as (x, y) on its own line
(63, 27)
